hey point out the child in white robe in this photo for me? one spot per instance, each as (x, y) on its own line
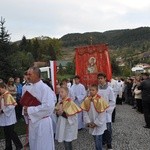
(8, 118)
(80, 94)
(70, 93)
(67, 124)
(94, 115)
(107, 93)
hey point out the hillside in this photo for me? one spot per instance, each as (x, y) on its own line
(122, 43)
(115, 38)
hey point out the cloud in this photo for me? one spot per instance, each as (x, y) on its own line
(58, 17)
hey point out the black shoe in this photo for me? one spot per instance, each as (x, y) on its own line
(147, 127)
(80, 129)
(109, 146)
(133, 107)
(19, 148)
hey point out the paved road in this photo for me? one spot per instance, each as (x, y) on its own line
(128, 133)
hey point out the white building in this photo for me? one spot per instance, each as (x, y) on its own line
(141, 68)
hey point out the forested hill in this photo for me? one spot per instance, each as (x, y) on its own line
(115, 38)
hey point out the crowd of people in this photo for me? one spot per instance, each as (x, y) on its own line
(60, 115)
(134, 91)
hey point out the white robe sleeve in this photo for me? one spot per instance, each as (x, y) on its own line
(82, 95)
(55, 98)
(45, 109)
(86, 117)
(101, 118)
(8, 110)
(23, 90)
(71, 94)
(112, 102)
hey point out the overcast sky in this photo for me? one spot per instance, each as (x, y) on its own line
(56, 18)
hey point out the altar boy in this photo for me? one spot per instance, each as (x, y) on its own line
(8, 118)
(67, 125)
(107, 93)
(94, 115)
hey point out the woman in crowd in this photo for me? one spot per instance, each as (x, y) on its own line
(138, 96)
(11, 87)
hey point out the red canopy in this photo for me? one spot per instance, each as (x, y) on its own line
(90, 60)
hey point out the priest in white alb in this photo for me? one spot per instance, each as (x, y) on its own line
(40, 122)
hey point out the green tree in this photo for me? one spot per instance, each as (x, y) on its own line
(115, 68)
(51, 52)
(5, 52)
(23, 44)
(61, 70)
(21, 61)
(50, 47)
(70, 68)
(36, 49)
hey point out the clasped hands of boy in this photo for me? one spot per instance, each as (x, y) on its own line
(91, 124)
(59, 111)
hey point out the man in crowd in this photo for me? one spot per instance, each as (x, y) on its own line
(18, 97)
(26, 87)
(40, 123)
(107, 93)
(129, 85)
(120, 89)
(145, 87)
(80, 93)
(27, 84)
(115, 87)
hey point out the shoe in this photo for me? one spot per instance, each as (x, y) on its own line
(19, 148)
(133, 107)
(109, 146)
(80, 129)
(113, 121)
(147, 127)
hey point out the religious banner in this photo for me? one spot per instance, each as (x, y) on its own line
(90, 60)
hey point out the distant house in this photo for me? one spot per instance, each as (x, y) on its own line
(147, 69)
(137, 69)
(141, 68)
